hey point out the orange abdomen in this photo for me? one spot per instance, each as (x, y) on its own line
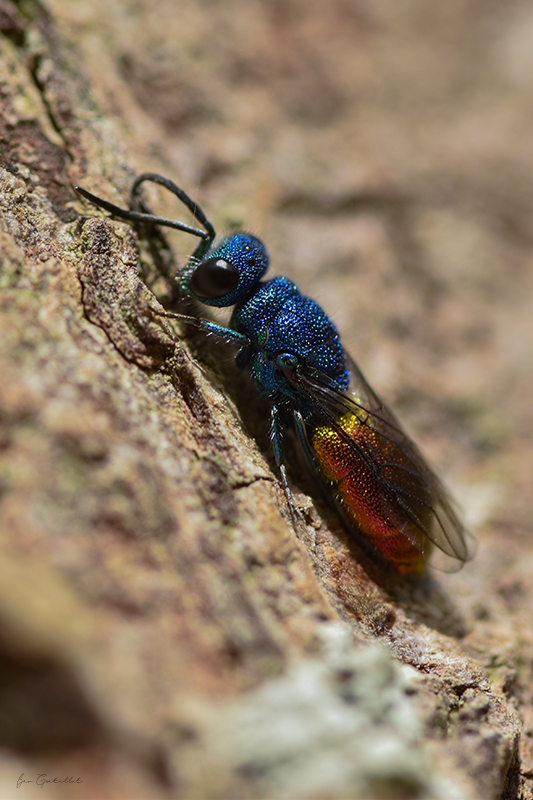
(359, 472)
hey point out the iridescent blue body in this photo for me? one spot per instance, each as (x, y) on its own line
(276, 319)
(374, 474)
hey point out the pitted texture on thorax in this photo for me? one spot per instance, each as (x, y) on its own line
(279, 319)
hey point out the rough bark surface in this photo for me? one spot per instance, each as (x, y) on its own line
(164, 629)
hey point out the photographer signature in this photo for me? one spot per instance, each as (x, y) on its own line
(43, 779)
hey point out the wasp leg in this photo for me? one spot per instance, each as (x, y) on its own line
(228, 334)
(304, 441)
(276, 436)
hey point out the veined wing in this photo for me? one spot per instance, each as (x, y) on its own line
(381, 481)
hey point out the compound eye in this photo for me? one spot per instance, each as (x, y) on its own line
(214, 278)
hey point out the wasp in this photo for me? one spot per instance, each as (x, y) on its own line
(378, 481)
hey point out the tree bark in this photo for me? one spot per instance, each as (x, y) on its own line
(166, 630)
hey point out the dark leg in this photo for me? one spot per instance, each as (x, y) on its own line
(302, 436)
(205, 325)
(276, 436)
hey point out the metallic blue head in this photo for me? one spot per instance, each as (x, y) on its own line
(229, 272)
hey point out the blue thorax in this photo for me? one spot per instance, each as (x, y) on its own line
(272, 317)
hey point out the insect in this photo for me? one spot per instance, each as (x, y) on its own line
(375, 476)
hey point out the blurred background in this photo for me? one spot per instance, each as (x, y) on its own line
(384, 152)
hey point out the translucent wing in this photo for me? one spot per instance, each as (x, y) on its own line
(376, 475)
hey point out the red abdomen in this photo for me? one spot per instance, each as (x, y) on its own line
(364, 469)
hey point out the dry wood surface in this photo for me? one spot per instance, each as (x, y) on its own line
(166, 631)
